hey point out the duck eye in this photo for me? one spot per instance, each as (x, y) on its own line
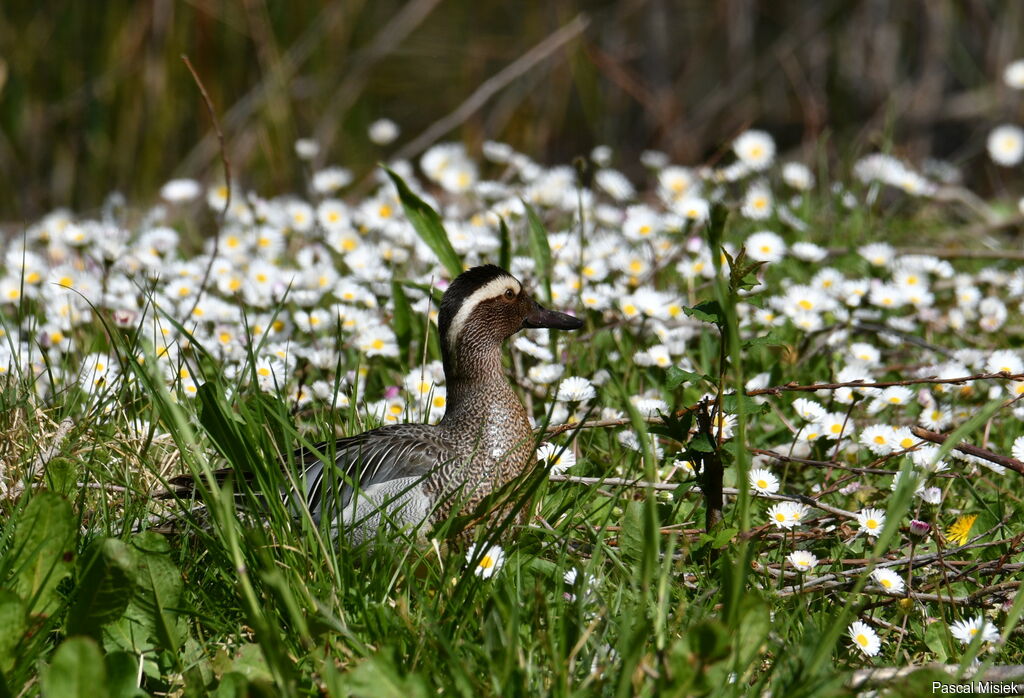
(509, 294)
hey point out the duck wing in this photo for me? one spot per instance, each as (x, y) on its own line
(387, 462)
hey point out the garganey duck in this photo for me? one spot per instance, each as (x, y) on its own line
(419, 474)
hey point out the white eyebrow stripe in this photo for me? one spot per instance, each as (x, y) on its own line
(492, 289)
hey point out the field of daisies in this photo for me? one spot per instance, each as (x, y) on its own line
(783, 457)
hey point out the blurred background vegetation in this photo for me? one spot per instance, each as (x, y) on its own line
(95, 97)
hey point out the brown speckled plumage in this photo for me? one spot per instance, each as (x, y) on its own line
(417, 473)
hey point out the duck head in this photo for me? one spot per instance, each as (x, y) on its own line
(482, 308)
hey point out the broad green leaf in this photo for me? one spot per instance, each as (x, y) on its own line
(935, 637)
(44, 549)
(700, 443)
(151, 620)
(428, 225)
(250, 662)
(751, 631)
(540, 249)
(708, 311)
(123, 675)
(13, 623)
(106, 584)
(631, 540)
(77, 671)
(723, 537)
(675, 376)
(233, 685)
(773, 339)
(160, 587)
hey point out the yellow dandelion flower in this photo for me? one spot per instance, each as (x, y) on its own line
(960, 531)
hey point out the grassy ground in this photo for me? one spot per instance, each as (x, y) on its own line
(128, 359)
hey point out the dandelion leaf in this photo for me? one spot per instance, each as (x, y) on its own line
(43, 551)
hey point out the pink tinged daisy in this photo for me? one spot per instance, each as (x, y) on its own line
(864, 638)
(487, 564)
(966, 630)
(919, 530)
(802, 560)
(871, 521)
(888, 580)
(763, 481)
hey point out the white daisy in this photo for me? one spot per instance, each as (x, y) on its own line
(809, 410)
(871, 521)
(765, 246)
(558, 458)
(865, 638)
(755, 149)
(383, 131)
(802, 560)
(1013, 74)
(888, 580)
(575, 389)
(763, 481)
(488, 563)
(965, 630)
(1006, 145)
(1005, 361)
(786, 515)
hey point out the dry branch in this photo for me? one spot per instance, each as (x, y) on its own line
(977, 451)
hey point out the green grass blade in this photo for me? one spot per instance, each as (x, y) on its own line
(540, 249)
(428, 225)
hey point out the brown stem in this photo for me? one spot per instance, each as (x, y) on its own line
(977, 451)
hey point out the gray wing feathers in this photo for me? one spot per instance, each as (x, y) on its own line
(383, 468)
